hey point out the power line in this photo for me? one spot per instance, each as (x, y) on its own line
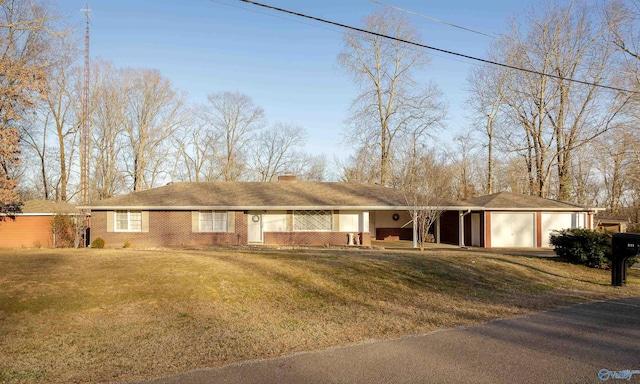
(433, 19)
(274, 15)
(325, 28)
(436, 49)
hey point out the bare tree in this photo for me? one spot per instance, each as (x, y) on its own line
(557, 116)
(310, 167)
(24, 27)
(108, 112)
(426, 186)
(276, 150)
(392, 102)
(154, 113)
(198, 151)
(361, 167)
(488, 90)
(34, 137)
(59, 101)
(464, 168)
(622, 18)
(233, 117)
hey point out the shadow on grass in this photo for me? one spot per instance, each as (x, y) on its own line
(399, 277)
(539, 270)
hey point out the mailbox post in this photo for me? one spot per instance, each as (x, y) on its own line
(623, 246)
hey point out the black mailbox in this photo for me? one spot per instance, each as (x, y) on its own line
(623, 246)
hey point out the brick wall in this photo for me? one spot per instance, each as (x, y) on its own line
(167, 228)
(394, 234)
(173, 228)
(313, 238)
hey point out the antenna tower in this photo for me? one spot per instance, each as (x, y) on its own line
(85, 134)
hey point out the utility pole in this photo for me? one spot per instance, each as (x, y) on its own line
(85, 143)
(85, 134)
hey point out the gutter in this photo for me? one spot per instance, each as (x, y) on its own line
(264, 208)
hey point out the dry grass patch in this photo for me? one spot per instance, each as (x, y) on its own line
(101, 315)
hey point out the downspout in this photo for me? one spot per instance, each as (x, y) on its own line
(461, 215)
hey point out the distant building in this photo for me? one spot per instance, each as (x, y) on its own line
(32, 228)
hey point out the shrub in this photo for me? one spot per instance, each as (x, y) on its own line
(64, 230)
(97, 243)
(126, 245)
(586, 247)
(583, 246)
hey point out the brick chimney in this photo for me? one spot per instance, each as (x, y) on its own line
(287, 178)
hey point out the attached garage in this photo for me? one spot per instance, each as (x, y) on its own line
(554, 221)
(511, 220)
(513, 229)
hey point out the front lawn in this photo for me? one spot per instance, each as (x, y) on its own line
(110, 315)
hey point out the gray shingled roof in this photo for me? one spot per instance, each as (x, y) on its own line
(252, 195)
(509, 200)
(47, 207)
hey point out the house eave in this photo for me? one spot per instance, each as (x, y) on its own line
(266, 208)
(568, 209)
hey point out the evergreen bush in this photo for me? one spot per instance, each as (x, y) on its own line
(97, 243)
(585, 247)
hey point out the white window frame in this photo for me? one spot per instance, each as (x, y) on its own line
(225, 222)
(129, 221)
(299, 213)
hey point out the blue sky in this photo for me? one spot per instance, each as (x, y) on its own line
(286, 64)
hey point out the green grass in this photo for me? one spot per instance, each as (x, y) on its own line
(108, 315)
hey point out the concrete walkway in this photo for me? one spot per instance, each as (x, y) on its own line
(568, 345)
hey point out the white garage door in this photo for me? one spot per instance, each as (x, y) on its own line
(513, 229)
(557, 221)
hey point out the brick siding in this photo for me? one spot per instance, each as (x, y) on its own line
(394, 234)
(173, 228)
(313, 238)
(167, 228)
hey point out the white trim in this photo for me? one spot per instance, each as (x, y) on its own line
(577, 209)
(273, 208)
(42, 214)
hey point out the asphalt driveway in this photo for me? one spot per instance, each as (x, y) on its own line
(574, 344)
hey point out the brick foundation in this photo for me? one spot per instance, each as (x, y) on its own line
(313, 238)
(394, 234)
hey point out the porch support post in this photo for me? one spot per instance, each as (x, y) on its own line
(461, 215)
(415, 230)
(461, 228)
(438, 229)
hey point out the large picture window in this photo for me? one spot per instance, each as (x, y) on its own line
(312, 221)
(213, 221)
(128, 221)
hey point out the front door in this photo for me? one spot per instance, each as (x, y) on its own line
(254, 234)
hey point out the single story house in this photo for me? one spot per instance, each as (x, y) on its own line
(303, 213)
(243, 213)
(32, 227)
(507, 219)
